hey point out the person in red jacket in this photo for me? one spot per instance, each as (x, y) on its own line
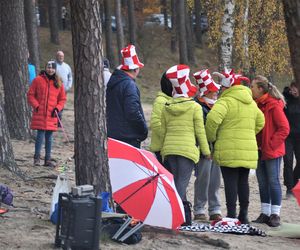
(47, 97)
(271, 148)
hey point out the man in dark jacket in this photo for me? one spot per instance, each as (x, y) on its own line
(125, 116)
(292, 143)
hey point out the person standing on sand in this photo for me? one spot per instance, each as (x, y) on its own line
(182, 129)
(292, 143)
(207, 172)
(47, 97)
(271, 148)
(161, 99)
(125, 117)
(232, 125)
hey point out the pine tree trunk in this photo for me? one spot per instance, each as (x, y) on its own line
(181, 32)
(174, 26)
(292, 20)
(14, 68)
(91, 163)
(108, 33)
(189, 33)
(227, 35)
(131, 22)
(165, 13)
(120, 31)
(198, 31)
(53, 22)
(32, 33)
(43, 10)
(59, 4)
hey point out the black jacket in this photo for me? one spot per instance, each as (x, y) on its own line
(292, 112)
(125, 117)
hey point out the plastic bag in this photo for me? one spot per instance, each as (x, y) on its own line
(61, 186)
(105, 196)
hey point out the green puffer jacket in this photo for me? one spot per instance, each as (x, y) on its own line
(232, 124)
(182, 128)
(155, 122)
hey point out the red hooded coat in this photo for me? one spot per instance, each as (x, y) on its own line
(44, 95)
(271, 139)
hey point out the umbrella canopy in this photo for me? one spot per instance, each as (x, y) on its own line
(296, 191)
(143, 187)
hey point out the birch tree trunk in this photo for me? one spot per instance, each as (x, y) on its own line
(227, 29)
(120, 31)
(292, 21)
(246, 64)
(91, 163)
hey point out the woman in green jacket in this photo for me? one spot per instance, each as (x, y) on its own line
(232, 125)
(155, 122)
(182, 128)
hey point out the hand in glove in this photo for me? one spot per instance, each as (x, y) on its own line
(55, 110)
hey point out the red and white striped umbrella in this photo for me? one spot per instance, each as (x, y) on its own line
(143, 187)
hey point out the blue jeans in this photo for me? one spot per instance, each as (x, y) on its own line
(39, 142)
(268, 173)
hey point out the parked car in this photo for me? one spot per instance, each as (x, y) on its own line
(157, 20)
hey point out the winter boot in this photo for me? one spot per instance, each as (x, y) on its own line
(231, 212)
(49, 163)
(36, 160)
(243, 215)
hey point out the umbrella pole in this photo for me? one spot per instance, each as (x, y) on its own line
(145, 184)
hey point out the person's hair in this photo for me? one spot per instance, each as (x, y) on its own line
(268, 87)
(166, 85)
(57, 82)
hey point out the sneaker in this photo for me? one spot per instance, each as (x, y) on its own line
(200, 217)
(262, 218)
(215, 217)
(274, 220)
(36, 162)
(49, 163)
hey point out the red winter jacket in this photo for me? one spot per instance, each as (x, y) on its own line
(44, 95)
(271, 139)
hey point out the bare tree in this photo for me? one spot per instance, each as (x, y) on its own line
(227, 35)
(131, 22)
(32, 33)
(181, 31)
(91, 163)
(108, 33)
(174, 26)
(119, 24)
(165, 12)
(13, 48)
(198, 30)
(189, 33)
(292, 20)
(53, 21)
(246, 64)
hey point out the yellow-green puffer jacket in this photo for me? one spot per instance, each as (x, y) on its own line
(232, 124)
(181, 126)
(155, 121)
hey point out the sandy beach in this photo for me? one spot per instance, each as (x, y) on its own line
(27, 225)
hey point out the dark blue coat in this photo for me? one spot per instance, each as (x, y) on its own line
(125, 117)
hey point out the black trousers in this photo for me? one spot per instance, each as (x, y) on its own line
(236, 185)
(291, 174)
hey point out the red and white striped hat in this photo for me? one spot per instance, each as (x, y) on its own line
(205, 82)
(229, 78)
(179, 77)
(130, 59)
